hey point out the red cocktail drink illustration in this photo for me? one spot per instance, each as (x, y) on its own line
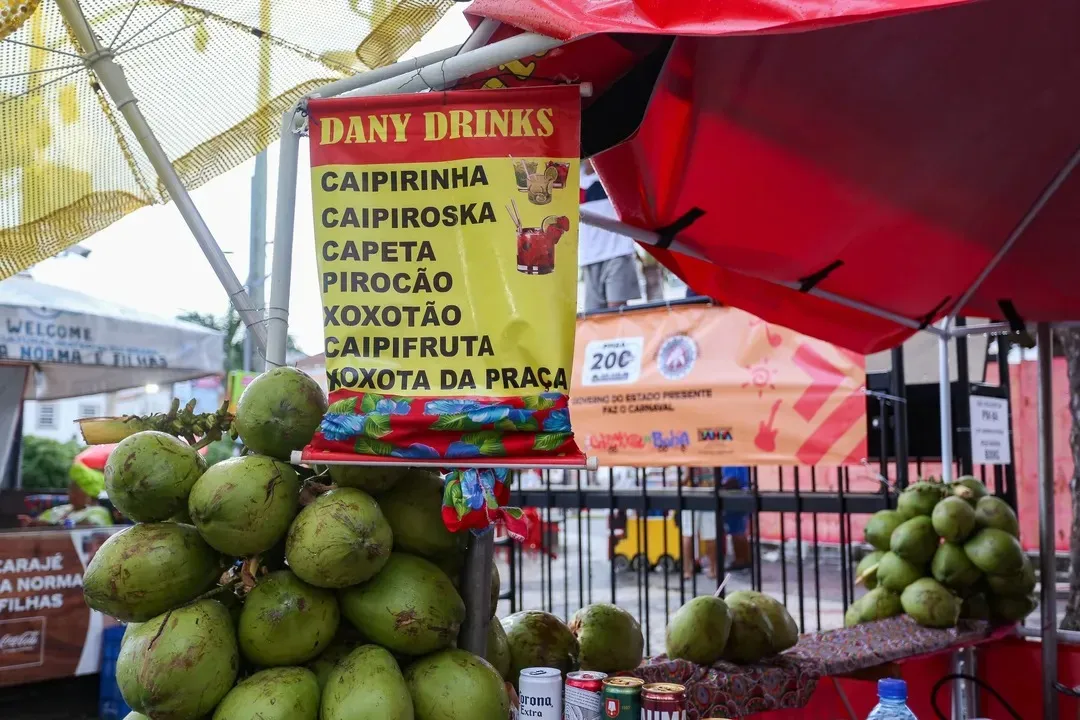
(536, 246)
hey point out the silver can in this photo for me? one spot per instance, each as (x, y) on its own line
(540, 694)
(583, 695)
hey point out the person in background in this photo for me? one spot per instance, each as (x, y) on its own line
(696, 526)
(737, 524)
(82, 508)
(607, 259)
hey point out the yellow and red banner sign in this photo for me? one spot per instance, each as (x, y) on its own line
(706, 386)
(446, 233)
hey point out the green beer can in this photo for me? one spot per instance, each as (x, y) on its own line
(622, 698)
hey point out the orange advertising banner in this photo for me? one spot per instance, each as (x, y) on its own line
(705, 386)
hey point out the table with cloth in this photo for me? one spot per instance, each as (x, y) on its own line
(787, 681)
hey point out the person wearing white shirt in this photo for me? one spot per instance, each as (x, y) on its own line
(607, 259)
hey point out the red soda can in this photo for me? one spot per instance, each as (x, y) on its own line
(663, 701)
(583, 695)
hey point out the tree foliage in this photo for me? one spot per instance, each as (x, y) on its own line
(46, 462)
(233, 329)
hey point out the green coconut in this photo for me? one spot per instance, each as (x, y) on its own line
(785, 632)
(969, 489)
(915, 541)
(179, 665)
(751, 637)
(975, 607)
(930, 604)
(285, 621)
(144, 570)
(279, 412)
(953, 519)
(339, 540)
(454, 563)
(498, 649)
(995, 552)
(135, 716)
(920, 499)
(609, 638)
(410, 607)
(367, 683)
(539, 639)
(329, 658)
(283, 693)
(1018, 584)
(993, 512)
(879, 604)
(413, 507)
(853, 616)
(371, 479)
(952, 568)
(243, 505)
(867, 569)
(699, 630)
(455, 685)
(149, 474)
(895, 573)
(1012, 609)
(880, 526)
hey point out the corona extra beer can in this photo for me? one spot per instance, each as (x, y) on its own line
(540, 694)
(583, 695)
(663, 701)
(622, 698)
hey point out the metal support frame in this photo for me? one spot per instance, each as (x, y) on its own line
(1047, 559)
(100, 60)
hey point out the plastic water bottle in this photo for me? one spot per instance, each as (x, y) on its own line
(892, 702)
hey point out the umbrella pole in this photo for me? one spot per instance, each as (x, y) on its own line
(112, 78)
(277, 312)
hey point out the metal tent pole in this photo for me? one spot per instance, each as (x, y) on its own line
(100, 60)
(277, 312)
(476, 590)
(945, 404)
(1047, 544)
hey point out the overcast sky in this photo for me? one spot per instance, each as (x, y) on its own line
(150, 261)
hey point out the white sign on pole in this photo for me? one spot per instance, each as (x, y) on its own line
(989, 431)
(613, 362)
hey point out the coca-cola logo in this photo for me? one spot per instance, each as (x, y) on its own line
(23, 642)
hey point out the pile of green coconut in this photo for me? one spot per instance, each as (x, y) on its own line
(946, 553)
(259, 590)
(744, 628)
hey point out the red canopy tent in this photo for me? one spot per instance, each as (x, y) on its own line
(813, 177)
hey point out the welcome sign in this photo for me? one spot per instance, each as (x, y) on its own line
(446, 233)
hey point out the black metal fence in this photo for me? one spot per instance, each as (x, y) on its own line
(617, 536)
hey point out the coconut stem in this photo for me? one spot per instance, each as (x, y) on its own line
(872, 570)
(181, 423)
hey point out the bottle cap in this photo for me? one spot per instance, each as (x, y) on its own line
(892, 689)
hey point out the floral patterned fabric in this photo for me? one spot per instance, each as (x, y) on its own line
(432, 428)
(475, 499)
(786, 682)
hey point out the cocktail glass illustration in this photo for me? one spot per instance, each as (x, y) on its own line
(537, 183)
(562, 170)
(536, 245)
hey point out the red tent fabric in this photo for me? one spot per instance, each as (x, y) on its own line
(886, 162)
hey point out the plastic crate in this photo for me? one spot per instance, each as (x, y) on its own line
(111, 705)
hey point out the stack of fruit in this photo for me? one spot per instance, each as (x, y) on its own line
(947, 552)
(744, 628)
(256, 589)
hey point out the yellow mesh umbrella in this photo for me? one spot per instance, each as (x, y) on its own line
(211, 77)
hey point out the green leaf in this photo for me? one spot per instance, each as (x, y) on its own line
(377, 426)
(369, 402)
(452, 489)
(488, 443)
(538, 402)
(371, 446)
(457, 421)
(507, 425)
(548, 442)
(343, 407)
